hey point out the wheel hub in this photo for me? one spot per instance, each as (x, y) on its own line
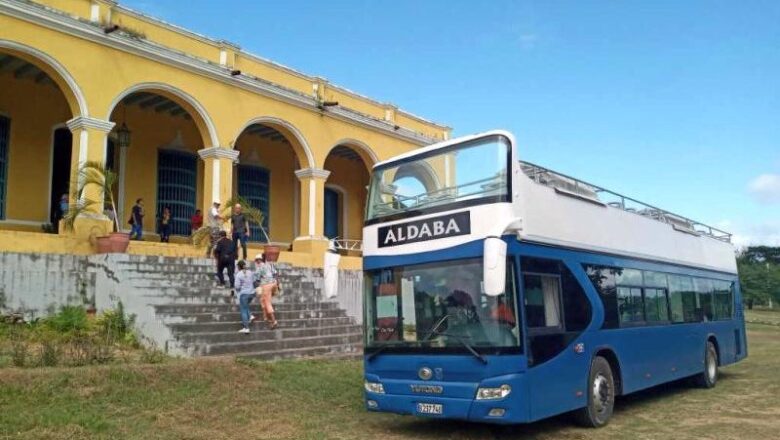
(601, 393)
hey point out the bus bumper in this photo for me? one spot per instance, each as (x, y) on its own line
(511, 409)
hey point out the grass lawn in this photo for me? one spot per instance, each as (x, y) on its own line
(226, 399)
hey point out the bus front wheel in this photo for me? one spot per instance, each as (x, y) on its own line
(601, 395)
(709, 377)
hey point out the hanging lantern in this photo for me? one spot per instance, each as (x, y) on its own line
(123, 136)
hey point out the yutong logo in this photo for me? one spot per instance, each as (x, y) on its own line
(427, 389)
(422, 230)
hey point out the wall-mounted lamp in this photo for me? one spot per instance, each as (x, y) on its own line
(322, 104)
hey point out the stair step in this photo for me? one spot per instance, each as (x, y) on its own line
(328, 351)
(289, 311)
(280, 344)
(234, 324)
(261, 333)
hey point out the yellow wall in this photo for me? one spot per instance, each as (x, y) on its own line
(220, 110)
(34, 110)
(352, 177)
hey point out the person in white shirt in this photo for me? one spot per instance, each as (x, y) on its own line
(214, 221)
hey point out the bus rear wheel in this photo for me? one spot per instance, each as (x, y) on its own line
(601, 395)
(709, 377)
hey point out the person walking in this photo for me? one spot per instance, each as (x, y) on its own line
(137, 220)
(165, 225)
(240, 228)
(246, 293)
(215, 225)
(225, 255)
(266, 282)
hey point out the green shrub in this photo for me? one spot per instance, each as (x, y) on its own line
(69, 320)
(115, 325)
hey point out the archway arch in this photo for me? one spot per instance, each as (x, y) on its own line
(55, 70)
(365, 152)
(270, 151)
(421, 171)
(298, 142)
(199, 114)
(349, 163)
(167, 128)
(38, 96)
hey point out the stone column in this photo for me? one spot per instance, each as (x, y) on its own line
(89, 145)
(217, 175)
(312, 212)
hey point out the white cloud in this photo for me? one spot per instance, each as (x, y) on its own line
(743, 235)
(766, 188)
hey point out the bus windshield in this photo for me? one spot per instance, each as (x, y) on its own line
(438, 305)
(474, 172)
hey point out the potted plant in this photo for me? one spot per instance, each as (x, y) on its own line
(95, 174)
(202, 237)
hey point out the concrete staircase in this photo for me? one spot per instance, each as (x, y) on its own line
(203, 320)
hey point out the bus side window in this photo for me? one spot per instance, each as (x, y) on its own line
(542, 301)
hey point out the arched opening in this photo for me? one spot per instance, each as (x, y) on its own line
(270, 152)
(345, 191)
(159, 164)
(35, 145)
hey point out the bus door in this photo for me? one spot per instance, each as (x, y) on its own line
(556, 312)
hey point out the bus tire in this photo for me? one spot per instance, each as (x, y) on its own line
(709, 377)
(601, 395)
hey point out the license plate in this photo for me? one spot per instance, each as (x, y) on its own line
(429, 408)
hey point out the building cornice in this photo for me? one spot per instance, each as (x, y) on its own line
(83, 122)
(218, 153)
(312, 173)
(52, 19)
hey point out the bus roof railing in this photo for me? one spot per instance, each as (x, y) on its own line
(582, 189)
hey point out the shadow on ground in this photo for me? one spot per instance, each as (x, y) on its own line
(552, 427)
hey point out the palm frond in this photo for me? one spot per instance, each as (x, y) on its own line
(201, 237)
(91, 174)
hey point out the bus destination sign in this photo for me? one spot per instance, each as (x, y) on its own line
(433, 228)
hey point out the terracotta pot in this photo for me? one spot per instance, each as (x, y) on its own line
(91, 311)
(104, 245)
(271, 252)
(119, 242)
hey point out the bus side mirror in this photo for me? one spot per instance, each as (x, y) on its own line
(331, 274)
(494, 266)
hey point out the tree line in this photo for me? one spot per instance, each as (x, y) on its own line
(759, 275)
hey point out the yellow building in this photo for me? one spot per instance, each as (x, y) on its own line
(207, 121)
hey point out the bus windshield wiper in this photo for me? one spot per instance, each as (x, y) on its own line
(376, 352)
(462, 340)
(433, 331)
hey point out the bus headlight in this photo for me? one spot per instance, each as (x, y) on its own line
(374, 387)
(493, 393)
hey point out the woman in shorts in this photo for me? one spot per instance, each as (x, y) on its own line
(265, 282)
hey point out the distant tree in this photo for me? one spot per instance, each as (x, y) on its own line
(759, 275)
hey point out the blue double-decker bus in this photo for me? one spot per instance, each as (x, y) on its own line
(500, 291)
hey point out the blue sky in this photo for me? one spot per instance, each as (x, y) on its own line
(674, 103)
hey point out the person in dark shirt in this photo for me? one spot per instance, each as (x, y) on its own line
(225, 254)
(137, 220)
(240, 228)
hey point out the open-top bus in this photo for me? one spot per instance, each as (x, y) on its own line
(500, 291)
